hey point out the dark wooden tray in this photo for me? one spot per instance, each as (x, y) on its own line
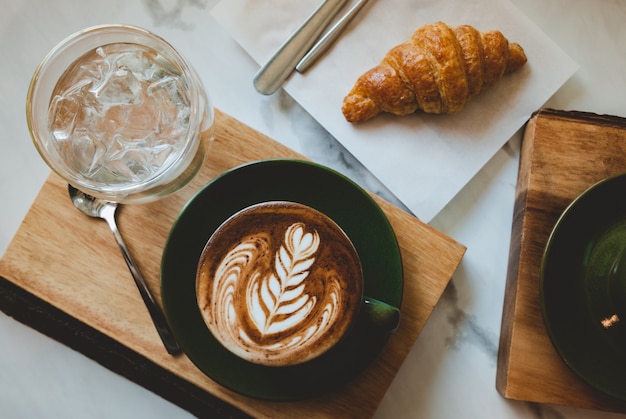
(563, 153)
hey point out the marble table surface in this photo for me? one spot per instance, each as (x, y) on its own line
(450, 372)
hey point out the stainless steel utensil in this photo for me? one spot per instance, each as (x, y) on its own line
(99, 208)
(329, 37)
(272, 75)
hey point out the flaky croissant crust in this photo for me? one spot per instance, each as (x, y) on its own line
(437, 71)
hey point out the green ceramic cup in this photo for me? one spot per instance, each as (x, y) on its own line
(279, 283)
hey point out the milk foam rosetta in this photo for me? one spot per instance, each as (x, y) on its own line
(275, 296)
(276, 300)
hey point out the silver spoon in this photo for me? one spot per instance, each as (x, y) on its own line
(99, 208)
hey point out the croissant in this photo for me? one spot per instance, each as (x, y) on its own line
(437, 71)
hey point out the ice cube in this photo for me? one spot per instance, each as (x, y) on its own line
(125, 160)
(174, 105)
(83, 152)
(119, 86)
(168, 90)
(121, 171)
(160, 155)
(139, 62)
(62, 116)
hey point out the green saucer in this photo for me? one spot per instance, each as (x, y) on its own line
(583, 286)
(310, 184)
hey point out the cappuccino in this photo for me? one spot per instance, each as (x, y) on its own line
(279, 283)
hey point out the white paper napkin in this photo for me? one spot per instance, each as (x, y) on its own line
(423, 159)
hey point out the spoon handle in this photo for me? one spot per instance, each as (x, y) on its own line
(156, 314)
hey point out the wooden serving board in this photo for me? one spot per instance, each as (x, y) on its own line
(64, 275)
(563, 153)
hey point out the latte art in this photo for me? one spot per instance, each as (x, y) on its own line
(278, 301)
(277, 295)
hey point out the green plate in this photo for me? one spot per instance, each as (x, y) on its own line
(272, 180)
(583, 286)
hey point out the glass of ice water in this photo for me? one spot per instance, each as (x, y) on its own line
(119, 114)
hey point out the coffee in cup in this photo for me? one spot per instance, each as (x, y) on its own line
(279, 283)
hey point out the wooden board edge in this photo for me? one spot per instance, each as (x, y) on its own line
(582, 117)
(38, 314)
(515, 251)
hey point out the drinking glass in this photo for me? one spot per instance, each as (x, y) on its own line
(119, 114)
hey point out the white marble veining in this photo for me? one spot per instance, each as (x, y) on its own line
(450, 371)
